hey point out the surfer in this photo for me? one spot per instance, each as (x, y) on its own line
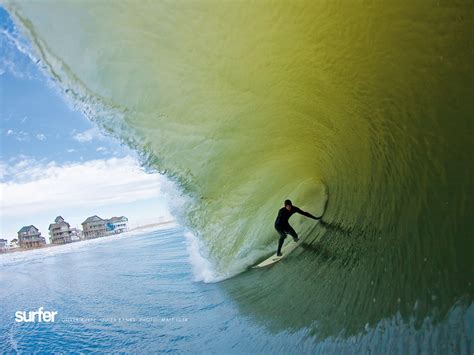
(283, 226)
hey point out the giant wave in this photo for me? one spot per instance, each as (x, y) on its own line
(365, 105)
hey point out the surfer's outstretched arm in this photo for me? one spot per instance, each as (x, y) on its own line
(306, 214)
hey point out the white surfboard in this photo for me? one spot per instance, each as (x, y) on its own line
(285, 250)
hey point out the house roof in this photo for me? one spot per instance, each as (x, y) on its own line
(92, 219)
(27, 228)
(118, 219)
(58, 224)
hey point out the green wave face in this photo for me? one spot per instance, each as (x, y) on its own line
(247, 104)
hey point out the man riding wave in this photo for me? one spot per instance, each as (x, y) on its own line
(283, 226)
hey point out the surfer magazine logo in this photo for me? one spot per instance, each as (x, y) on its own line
(35, 316)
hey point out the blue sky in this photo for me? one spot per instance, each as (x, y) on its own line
(53, 160)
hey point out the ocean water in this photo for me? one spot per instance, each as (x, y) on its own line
(362, 110)
(133, 293)
(138, 292)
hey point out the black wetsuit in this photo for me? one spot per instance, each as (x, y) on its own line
(283, 226)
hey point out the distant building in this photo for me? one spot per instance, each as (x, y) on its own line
(94, 227)
(60, 231)
(30, 237)
(14, 243)
(116, 225)
(76, 234)
(3, 245)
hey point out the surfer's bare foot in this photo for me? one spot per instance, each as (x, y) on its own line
(279, 254)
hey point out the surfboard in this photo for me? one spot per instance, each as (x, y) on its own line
(285, 250)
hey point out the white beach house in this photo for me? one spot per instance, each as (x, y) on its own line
(116, 225)
(14, 244)
(76, 234)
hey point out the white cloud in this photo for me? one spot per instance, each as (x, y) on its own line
(101, 149)
(40, 137)
(88, 135)
(22, 136)
(71, 150)
(37, 186)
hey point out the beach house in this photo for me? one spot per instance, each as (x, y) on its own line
(94, 227)
(76, 234)
(117, 225)
(14, 244)
(59, 231)
(30, 237)
(3, 245)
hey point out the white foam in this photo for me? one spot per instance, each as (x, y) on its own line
(202, 267)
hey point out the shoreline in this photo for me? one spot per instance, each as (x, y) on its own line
(49, 245)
